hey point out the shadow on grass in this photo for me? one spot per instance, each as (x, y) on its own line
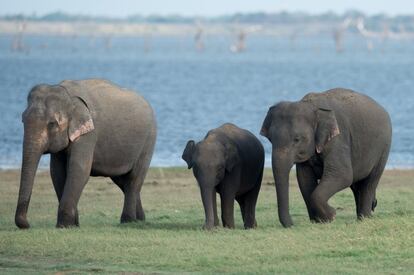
(165, 222)
(144, 225)
(182, 226)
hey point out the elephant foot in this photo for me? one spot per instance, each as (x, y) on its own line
(229, 226)
(327, 216)
(251, 225)
(21, 222)
(65, 225)
(140, 217)
(128, 218)
(66, 219)
(208, 226)
(362, 216)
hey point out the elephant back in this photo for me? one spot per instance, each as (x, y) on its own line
(100, 96)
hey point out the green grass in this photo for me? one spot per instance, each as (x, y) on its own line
(171, 239)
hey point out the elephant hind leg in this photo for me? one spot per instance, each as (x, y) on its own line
(129, 187)
(365, 192)
(227, 210)
(249, 206)
(140, 171)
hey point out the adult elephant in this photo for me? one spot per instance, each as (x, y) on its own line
(338, 139)
(90, 128)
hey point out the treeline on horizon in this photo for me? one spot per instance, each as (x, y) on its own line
(372, 21)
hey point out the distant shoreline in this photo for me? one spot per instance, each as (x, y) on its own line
(87, 28)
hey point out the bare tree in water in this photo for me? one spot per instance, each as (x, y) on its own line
(240, 44)
(338, 34)
(198, 37)
(17, 43)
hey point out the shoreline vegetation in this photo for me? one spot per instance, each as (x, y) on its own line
(171, 238)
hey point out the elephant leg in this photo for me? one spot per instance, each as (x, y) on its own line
(307, 184)
(227, 197)
(78, 171)
(367, 190)
(58, 173)
(140, 171)
(250, 200)
(227, 210)
(337, 175)
(128, 185)
(58, 163)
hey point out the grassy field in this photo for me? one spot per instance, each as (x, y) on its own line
(171, 239)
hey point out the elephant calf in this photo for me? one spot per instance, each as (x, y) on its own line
(228, 161)
(338, 139)
(90, 128)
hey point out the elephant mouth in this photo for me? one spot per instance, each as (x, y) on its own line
(301, 159)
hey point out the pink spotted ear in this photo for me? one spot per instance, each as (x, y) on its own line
(327, 128)
(81, 129)
(80, 122)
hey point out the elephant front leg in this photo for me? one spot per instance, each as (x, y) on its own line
(78, 171)
(337, 175)
(58, 174)
(307, 184)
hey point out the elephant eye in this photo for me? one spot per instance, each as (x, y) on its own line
(296, 139)
(52, 125)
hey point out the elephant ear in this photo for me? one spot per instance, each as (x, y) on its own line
(264, 131)
(326, 128)
(188, 153)
(81, 121)
(231, 156)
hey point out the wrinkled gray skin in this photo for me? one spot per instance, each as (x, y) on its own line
(338, 139)
(228, 161)
(90, 128)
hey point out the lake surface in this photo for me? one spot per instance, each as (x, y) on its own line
(193, 91)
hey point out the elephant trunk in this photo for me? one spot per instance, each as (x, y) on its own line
(281, 165)
(207, 198)
(32, 151)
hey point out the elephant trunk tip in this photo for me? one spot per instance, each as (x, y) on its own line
(21, 222)
(21, 219)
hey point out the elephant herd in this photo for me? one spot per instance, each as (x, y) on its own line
(337, 139)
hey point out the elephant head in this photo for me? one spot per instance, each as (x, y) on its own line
(210, 160)
(52, 120)
(297, 131)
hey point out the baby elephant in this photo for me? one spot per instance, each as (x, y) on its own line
(228, 161)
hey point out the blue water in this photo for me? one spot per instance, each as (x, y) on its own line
(193, 92)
